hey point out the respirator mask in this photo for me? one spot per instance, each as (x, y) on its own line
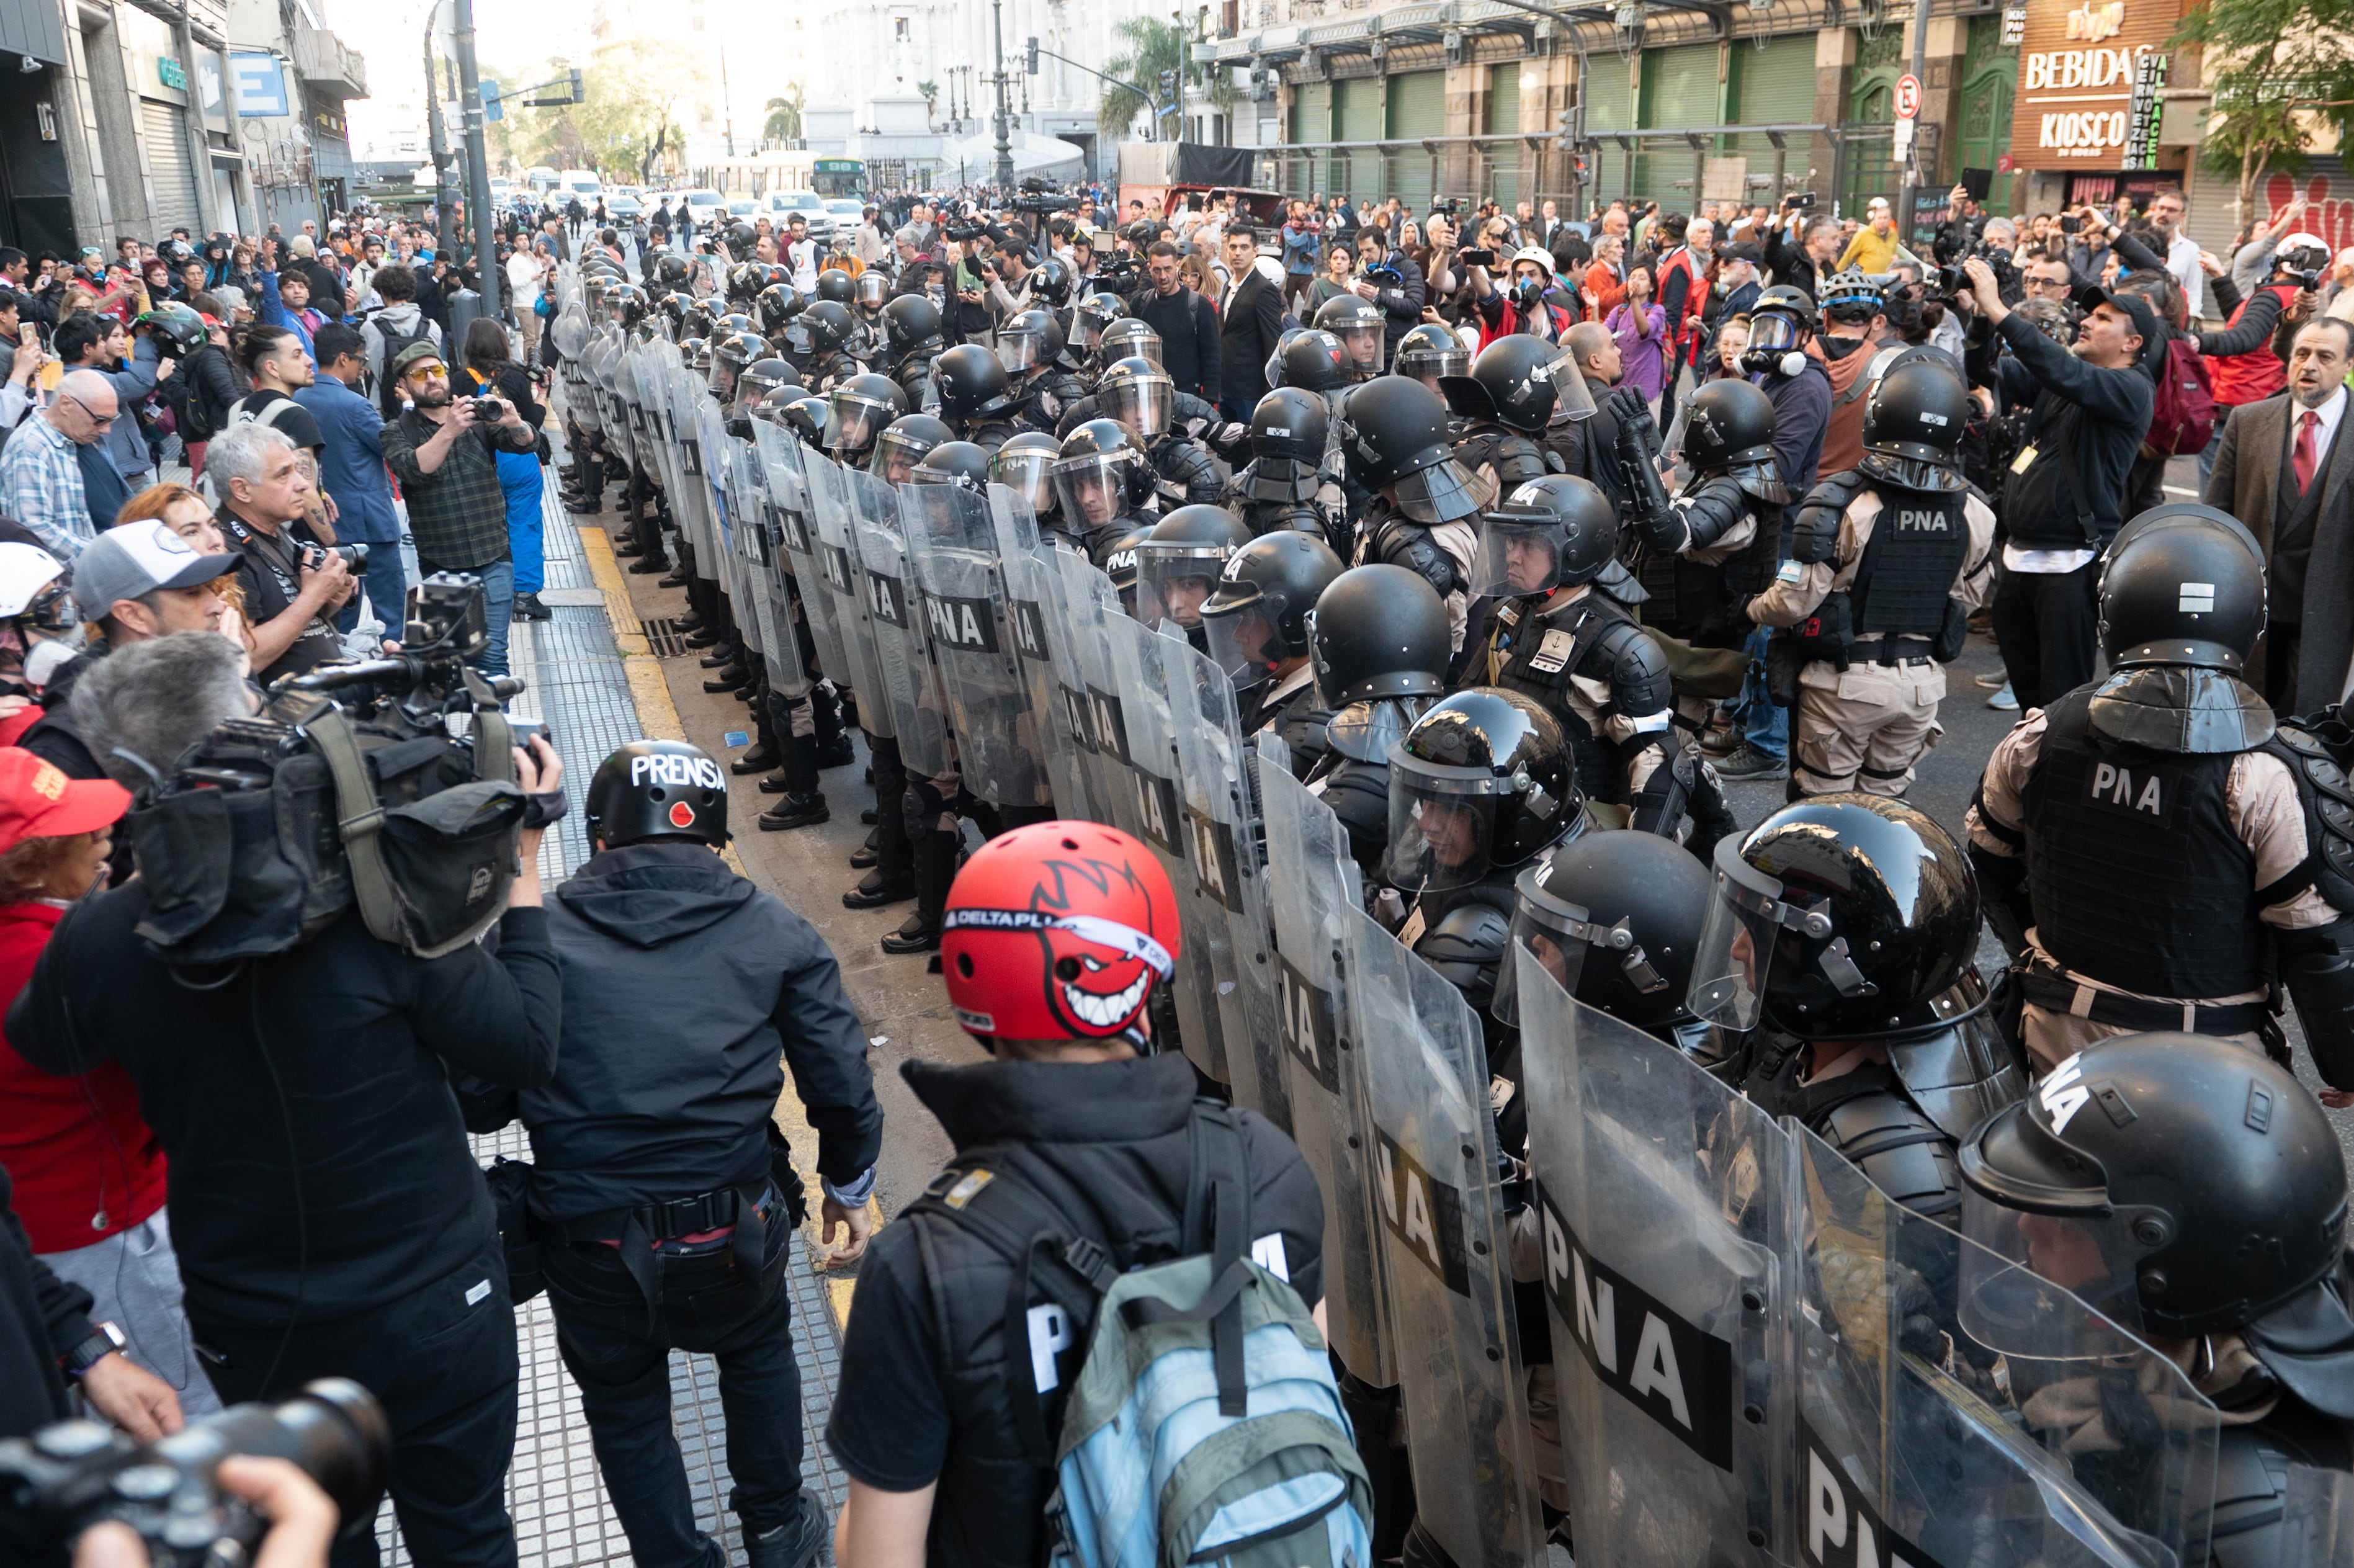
(1774, 346)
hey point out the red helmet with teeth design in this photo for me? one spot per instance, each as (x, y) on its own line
(1058, 931)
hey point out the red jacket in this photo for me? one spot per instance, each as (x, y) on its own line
(85, 1165)
(2253, 377)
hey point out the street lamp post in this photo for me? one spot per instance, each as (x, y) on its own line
(445, 225)
(1004, 171)
(478, 171)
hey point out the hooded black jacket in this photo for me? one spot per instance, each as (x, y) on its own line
(682, 982)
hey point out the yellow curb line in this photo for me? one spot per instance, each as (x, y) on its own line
(658, 720)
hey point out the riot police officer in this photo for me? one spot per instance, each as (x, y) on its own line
(911, 341)
(1886, 562)
(1720, 541)
(1283, 485)
(1257, 624)
(773, 307)
(1101, 478)
(1380, 651)
(1138, 393)
(858, 411)
(905, 443)
(1423, 503)
(1549, 637)
(661, 1197)
(1429, 354)
(1030, 345)
(2240, 1275)
(1841, 942)
(1505, 402)
(1358, 325)
(814, 340)
(2154, 852)
(1180, 561)
(1025, 465)
(976, 397)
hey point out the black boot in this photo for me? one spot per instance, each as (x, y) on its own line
(719, 657)
(866, 854)
(795, 812)
(935, 858)
(874, 890)
(799, 1542)
(646, 566)
(729, 679)
(760, 759)
(776, 783)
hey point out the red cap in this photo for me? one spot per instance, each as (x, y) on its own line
(39, 801)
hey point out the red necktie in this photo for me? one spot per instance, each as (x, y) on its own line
(2302, 459)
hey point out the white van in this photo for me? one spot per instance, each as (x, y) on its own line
(582, 182)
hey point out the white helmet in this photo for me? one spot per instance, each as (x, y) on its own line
(24, 571)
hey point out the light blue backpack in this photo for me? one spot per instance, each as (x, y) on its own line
(1205, 1425)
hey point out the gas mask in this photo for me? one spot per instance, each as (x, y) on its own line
(1774, 346)
(1528, 295)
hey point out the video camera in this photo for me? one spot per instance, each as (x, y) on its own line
(1036, 197)
(2303, 259)
(65, 1478)
(1113, 274)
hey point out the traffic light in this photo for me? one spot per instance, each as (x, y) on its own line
(1567, 141)
(580, 92)
(1168, 86)
(1031, 67)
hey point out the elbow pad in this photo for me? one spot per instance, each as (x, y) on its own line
(2317, 968)
(1814, 534)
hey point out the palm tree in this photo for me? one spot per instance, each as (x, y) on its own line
(929, 91)
(785, 116)
(1151, 47)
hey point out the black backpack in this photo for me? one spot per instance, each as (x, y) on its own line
(387, 389)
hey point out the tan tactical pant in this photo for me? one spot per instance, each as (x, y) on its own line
(1863, 727)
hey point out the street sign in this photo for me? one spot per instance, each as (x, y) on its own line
(492, 108)
(1908, 96)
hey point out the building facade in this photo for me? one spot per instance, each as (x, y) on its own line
(292, 77)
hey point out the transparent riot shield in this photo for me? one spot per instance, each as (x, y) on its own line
(952, 543)
(903, 656)
(1080, 591)
(782, 460)
(1660, 1239)
(1432, 1142)
(691, 502)
(763, 576)
(1033, 609)
(1959, 1409)
(656, 371)
(1311, 882)
(832, 516)
(1214, 783)
(1147, 719)
(2317, 1518)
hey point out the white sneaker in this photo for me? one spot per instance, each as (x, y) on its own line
(2004, 700)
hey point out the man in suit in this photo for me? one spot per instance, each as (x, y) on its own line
(1250, 321)
(2284, 473)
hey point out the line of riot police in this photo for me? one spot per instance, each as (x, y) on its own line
(1687, 1192)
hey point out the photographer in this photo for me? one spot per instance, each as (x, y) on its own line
(444, 451)
(1803, 264)
(290, 591)
(328, 1212)
(1392, 281)
(967, 319)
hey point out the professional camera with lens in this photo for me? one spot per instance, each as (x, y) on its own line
(490, 409)
(1037, 196)
(1385, 277)
(354, 555)
(65, 1478)
(1113, 274)
(963, 231)
(352, 787)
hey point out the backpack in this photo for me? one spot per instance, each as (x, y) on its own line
(387, 390)
(2182, 418)
(1205, 1402)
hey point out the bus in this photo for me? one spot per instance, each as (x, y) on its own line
(760, 173)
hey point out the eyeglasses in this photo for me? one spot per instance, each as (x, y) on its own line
(92, 415)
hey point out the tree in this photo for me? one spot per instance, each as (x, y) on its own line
(637, 88)
(1151, 47)
(2278, 71)
(785, 116)
(929, 91)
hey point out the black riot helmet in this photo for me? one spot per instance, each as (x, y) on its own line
(1380, 630)
(906, 441)
(1780, 323)
(1510, 383)
(1912, 426)
(771, 406)
(870, 290)
(766, 376)
(670, 270)
(960, 463)
(806, 416)
(1261, 613)
(972, 383)
(1430, 352)
(1091, 318)
(1126, 338)
(833, 284)
(1617, 919)
(1555, 532)
(821, 328)
(1483, 783)
(1025, 465)
(1139, 394)
(625, 304)
(1290, 423)
(1393, 432)
(1359, 324)
(1181, 560)
(858, 410)
(729, 355)
(1120, 563)
(1101, 472)
(1050, 281)
(658, 789)
(700, 315)
(910, 322)
(1315, 362)
(742, 237)
(1845, 916)
(2182, 1185)
(673, 308)
(734, 322)
(1729, 429)
(1029, 340)
(2182, 583)
(775, 307)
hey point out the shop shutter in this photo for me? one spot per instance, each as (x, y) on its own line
(164, 128)
(1609, 99)
(1774, 85)
(1417, 111)
(1311, 122)
(1680, 86)
(1501, 160)
(1357, 117)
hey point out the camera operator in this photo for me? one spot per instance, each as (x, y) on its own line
(329, 1215)
(290, 591)
(1803, 265)
(1010, 293)
(444, 451)
(1392, 280)
(2063, 498)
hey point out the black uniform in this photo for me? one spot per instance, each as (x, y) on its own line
(1540, 646)
(1693, 600)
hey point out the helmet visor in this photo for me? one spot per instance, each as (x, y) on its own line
(1020, 350)
(1573, 398)
(1751, 927)
(799, 342)
(1092, 489)
(1566, 941)
(1141, 342)
(1443, 493)
(722, 379)
(852, 422)
(1086, 331)
(1442, 824)
(1364, 345)
(1519, 555)
(1174, 581)
(1142, 403)
(1427, 365)
(756, 385)
(1772, 333)
(2052, 1280)
(1365, 731)
(1028, 474)
(1244, 644)
(897, 453)
(871, 290)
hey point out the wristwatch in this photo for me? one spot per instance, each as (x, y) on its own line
(103, 1342)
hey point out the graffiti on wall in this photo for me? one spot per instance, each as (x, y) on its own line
(2329, 203)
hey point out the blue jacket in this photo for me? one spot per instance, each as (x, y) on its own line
(271, 311)
(352, 466)
(132, 384)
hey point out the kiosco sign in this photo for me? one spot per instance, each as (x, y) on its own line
(2077, 68)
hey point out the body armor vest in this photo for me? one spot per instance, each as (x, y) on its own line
(1514, 457)
(2137, 878)
(1919, 544)
(1536, 654)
